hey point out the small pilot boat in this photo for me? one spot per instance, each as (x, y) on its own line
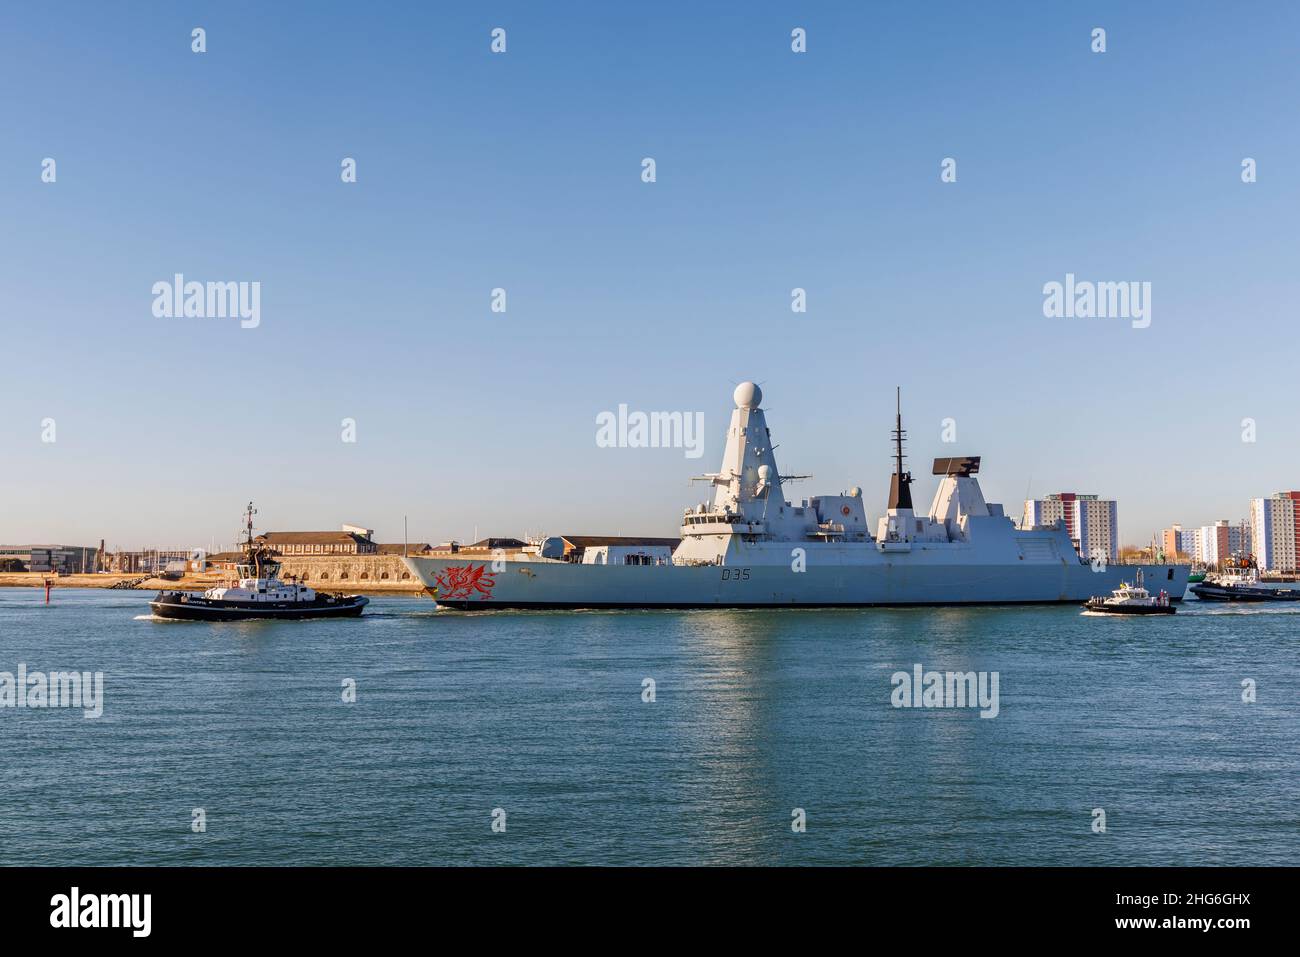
(1131, 600)
(259, 594)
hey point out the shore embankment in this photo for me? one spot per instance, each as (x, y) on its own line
(201, 582)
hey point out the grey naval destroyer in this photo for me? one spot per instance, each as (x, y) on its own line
(750, 548)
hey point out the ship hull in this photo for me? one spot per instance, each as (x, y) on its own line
(1209, 592)
(1102, 609)
(467, 584)
(184, 606)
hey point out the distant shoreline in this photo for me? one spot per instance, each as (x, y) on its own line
(36, 580)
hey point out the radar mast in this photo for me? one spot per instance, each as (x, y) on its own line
(900, 483)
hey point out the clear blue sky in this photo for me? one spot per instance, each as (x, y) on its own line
(522, 170)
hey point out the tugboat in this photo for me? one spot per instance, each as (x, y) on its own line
(1131, 600)
(259, 594)
(1239, 581)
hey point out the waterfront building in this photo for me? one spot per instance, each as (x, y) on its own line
(1187, 541)
(349, 540)
(149, 560)
(404, 548)
(1220, 541)
(1275, 530)
(61, 559)
(1210, 544)
(349, 555)
(1177, 540)
(1091, 522)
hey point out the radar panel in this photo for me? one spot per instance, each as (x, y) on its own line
(957, 465)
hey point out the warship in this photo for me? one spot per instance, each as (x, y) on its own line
(751, 548)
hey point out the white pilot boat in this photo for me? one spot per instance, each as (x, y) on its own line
(1131, 600)
(259, 594)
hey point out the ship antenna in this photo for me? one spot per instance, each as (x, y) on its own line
(900, 486)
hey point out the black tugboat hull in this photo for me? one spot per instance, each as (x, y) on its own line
(197, 608)
(1206, 592)
(1131, 609)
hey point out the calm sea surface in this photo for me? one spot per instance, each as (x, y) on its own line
(756, 713)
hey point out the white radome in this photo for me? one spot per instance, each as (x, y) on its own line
(747, 396)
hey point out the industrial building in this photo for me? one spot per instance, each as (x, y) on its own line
(59, 559)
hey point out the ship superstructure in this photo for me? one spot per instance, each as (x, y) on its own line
(747, 546)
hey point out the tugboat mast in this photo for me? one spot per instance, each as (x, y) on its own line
(252, 554)
(900, 483)
(249, 512)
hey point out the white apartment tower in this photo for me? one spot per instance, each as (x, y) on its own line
(1273, 527)
(1092, 522)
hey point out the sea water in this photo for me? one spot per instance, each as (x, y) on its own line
(418, 736)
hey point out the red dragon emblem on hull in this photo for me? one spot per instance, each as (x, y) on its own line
(457, 583)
